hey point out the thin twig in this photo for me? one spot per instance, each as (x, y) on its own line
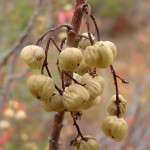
(94, 21)
(23, 36)
(117, 102)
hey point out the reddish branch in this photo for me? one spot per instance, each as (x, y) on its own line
(72, 40)
(115, 76)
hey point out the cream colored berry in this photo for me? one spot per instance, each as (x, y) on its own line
(115, 128)
(41, 86)
(90, 144)
(74, 96)
(93, 87)
(94, 84)
(70, 58)
(33, 56)
(77, 77)
(112, 108)
(85, 41)
(91, 103)
(112, 47)
(55, 103)
(83, 68)
(98, 55)
(100, 80)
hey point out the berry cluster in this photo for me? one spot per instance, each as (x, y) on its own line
(79, 65)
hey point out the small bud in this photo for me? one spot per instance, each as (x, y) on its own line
(90, 143)
(112, 108)
(115, 128)
(40, 86)
(70, 58)
(74, 96)
(33, 56)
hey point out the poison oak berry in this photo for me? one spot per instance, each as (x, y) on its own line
(90, 144)
(98, 55)
(77, 77)
(70, 58)
(112, 108)
(93, 87)
(94, 84)
(100, 80)
(115, 128)
(91, 103)
(74, 96)
(85, 41)
(33, 56)
(40, 86)
(55, 103)
(112, 47)
(82, 68)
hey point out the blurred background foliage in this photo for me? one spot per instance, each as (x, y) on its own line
(23, 123)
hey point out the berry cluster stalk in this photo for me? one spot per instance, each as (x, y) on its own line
(72, 40)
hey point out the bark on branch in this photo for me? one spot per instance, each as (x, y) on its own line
(72, 40)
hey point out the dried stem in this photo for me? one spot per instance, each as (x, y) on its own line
(84, 9)
(117, 91)
(67, 74)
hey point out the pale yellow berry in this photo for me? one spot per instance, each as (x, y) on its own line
(9, 113)
(115, 128)
(90, 144)
(112, 47)
(55, 103)
(98, 55)
(70, 58)
(100, 80)
(85, 41)
(91, 103)
(77, 77)
(74, 96)
(93, 87)
(40, 86)
(33, 56)
(82, 68)
(20, 115)
(112, 108)
(94, 84)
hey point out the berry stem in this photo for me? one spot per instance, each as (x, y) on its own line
(117, 102)
(84, 9)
